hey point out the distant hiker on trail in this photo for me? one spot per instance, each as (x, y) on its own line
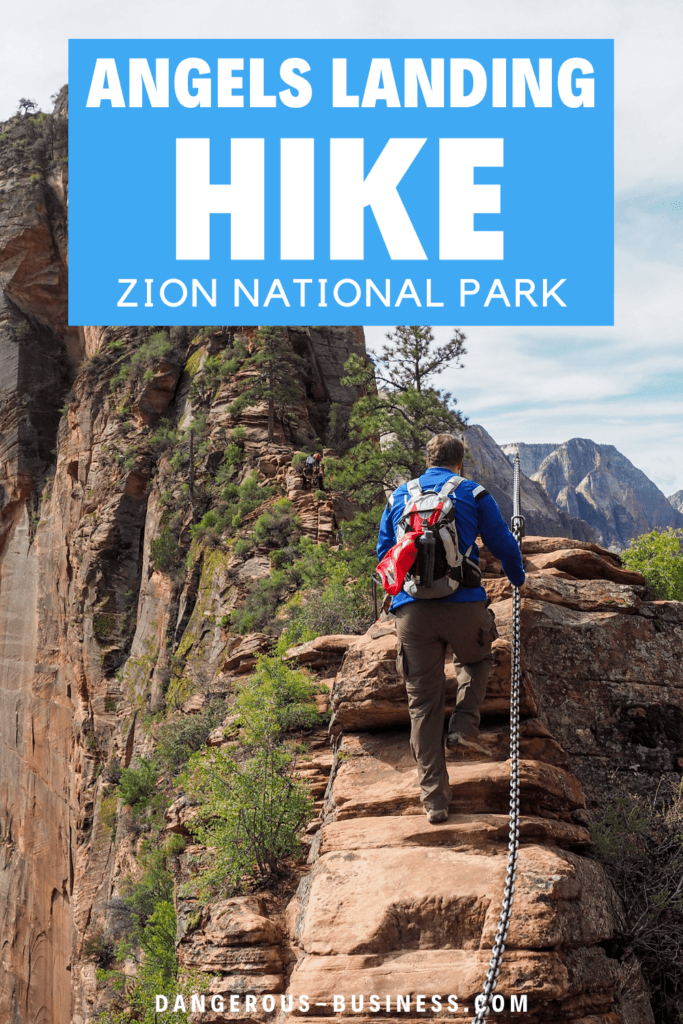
(307, 473)
(318, 477)
(429, 564)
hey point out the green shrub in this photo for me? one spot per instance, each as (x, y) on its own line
(298, 460)
(657, 555)
(260, 605)
(137, 784)
(181, 736)
(641, 846)
(108, 810)
(275, 699)
(152, 349)
(336, 606)
(243, 545)
(278, 526)
(164, 550)
(208, 522)
(251, 814)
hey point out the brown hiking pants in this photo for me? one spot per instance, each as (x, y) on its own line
(424, 629)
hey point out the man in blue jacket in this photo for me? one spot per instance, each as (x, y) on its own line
(462, 619)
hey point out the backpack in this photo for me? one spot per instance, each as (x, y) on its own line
(426, 561)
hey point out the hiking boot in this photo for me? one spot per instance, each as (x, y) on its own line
(436, 817)
(465, 744)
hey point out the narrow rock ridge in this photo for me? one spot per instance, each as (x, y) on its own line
(392, 906)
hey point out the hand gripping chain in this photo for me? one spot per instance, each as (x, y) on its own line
(483, 1001)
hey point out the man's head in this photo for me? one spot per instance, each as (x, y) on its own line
(445, 450)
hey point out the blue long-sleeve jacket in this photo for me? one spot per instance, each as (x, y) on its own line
(472, 516)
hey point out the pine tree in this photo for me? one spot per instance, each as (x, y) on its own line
(401, 410)
(278, 378)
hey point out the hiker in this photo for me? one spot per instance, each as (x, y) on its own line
(307, 473)
(318, 478)
(449, 608)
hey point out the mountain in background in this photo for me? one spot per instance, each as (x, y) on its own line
(487, 463)
(676, 500)
(596, 483)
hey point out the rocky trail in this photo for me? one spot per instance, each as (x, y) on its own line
(392, 906)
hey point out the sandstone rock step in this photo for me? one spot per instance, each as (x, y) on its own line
(416, 897)
(376, 775)
(462, 831)
(585, 979)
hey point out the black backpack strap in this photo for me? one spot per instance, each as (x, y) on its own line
(479, 492)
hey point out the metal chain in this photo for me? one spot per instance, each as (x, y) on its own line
(483, 1001)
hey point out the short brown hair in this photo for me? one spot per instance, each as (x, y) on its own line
(445, 450)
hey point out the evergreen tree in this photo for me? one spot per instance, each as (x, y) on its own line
(278, 380)
(398, 414)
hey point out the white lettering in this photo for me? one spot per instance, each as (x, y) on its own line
(346, 280)
(288, 74)
(217, 1004)
(339, 1004)
(452, 1004)
(496, 291)
(380, 84)
(526, 292)
(518, 1004)
(198, 1004)
(139, 74)
(202, 86)
(499, 82)
(276, 291)
(227, 82)
(407, 292)
(196, 286)
(162, 292)
(297, 216)
(234, 1004)
(131, 282)
(429, 294)
(240, 287)
(350, 193)
(586, 86)
(547, 294)
(464, 290)
(523, 75)
(161, 1004)
(197, 199)
(497, 1003)
(460, 199)
(375, 1004)
(149, 281)
(431, 89)
(322, 281)
(250, 1004)
(360, 1000)
(302, 282)
(257, 96)
(105, 84)
(339, 95)
(459, 65)
(286, 1003)
(179, 1004)
(370, 286)
(420, 1003)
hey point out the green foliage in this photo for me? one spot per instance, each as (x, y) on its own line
(251, 814)
(389, 428)
(208, 521)
(279, 526)
(657, 555)
(152, 349)
(275, 699)
(261, 603)
(276, 380)
(337, 605)
(108, 810)
(641, 847)
(158, 942)
(137, 784)
(164, 550)
(181, 736)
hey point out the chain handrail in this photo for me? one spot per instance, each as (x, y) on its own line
(483, 1001)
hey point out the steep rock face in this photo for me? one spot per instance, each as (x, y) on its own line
(676, 500)
(530, 455)
(599, 484)
(486, 462)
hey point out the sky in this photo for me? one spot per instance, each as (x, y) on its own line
(618, 385)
